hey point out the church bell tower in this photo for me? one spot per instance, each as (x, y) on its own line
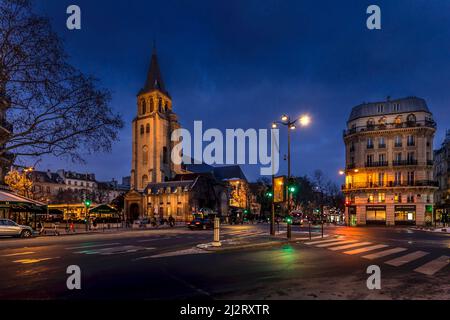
(152, 130)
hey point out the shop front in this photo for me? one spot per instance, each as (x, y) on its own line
(376, 215)
(352, 220)
(405, 215)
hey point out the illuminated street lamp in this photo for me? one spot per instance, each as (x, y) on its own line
(304, 121)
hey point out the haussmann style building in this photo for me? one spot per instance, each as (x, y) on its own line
(389, 163)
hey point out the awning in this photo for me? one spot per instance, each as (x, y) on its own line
(103, 209)
(18, 203)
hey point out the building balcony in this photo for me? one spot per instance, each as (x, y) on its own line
(382, 146)
(410, 162)
(390, 184)
(376, 164)
(389, 126)
(398, 145)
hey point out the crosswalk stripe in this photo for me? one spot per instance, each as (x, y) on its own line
(365, 249)
(325, 245)
(406, 258)
(312, 238)
(433, 266)
(322, 241)
(113, 250)
(384, 253)
(348, 246)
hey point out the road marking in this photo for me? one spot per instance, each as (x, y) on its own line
(312, 238)
(150, 240)
(365, 249)
(433, 266)
(406, 258)
(30, 261)
(384, 253)
(348, 246)
(113, 250)
(322, 241)
(18, 254)
(175, 253)
(324, 245)
(93, 246)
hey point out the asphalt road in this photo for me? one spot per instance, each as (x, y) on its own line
(165, 264)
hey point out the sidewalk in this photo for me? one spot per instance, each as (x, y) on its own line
(433, 229)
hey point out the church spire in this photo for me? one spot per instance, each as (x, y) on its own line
(154, 78)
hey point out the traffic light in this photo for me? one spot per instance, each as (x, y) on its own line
(347, 203)
(269, 194)
(289, 220)
(292, 189)
(87, 203)
(245, 211)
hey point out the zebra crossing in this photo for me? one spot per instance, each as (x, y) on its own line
(374, 251)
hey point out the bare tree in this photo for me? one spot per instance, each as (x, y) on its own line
(53, 107)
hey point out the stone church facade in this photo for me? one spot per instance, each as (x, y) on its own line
(160, 188)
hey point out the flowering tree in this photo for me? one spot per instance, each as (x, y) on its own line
(19, 182)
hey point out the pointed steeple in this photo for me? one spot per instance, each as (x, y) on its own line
(154, 78)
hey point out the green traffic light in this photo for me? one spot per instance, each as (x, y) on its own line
(289, 220)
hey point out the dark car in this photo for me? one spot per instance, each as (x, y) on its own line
(200, 223)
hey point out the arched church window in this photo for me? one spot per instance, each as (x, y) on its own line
(142, 129)
(144, 107)
(144, 181)
(164, 155)
(152, 107)
(160, 105)
(166, 107)
(147, 128)
(144, 155)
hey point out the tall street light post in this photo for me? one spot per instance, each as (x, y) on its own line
(290, 123)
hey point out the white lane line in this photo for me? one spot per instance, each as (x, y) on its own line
(325, 245)
(384, 253)
(433, 266)
(113, 250)
(175, 253)
(18, 254)
(406, 258)
(93, 246)
(365, 249)
(150, 240)
(323, 241)
(348, 246)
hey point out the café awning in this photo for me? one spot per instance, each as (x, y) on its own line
(19, 203)
(103, 209)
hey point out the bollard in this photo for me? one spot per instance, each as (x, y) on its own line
(216, 242)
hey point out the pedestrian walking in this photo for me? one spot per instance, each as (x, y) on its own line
(41, 228)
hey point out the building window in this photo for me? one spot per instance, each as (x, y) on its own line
(152, 106)
(398, 198)
(369, 160)
(410, 178)
(144, 107)
(369, 143)
(142, 129)
(381, 197)
(396, 107)
(398, 156)
(380, 108)
(164, 155)
(370, 123)
(410, 198)
(411, 119)
(370, 198)
(147, 128)
(398, 178)
(144, 155)
(381, 143)
(382, 158)
(381, 179)
(411, 141)
(160, 105)
(398, 141)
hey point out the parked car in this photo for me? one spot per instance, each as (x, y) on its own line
(200, 223)
(12, 229)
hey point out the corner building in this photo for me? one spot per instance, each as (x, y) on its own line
(389, 163)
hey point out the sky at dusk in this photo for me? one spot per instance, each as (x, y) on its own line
(243, 63)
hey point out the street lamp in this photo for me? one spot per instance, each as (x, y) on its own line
(289, 122)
